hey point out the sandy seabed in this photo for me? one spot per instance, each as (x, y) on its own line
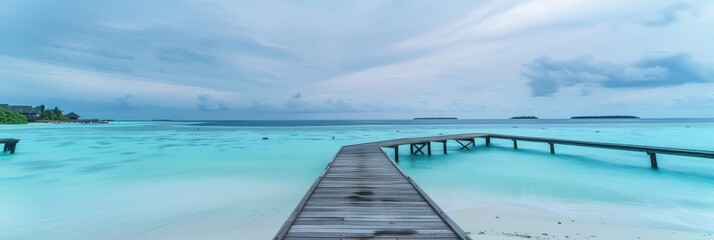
(494, 219)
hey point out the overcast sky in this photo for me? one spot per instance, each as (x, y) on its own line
(213, 59)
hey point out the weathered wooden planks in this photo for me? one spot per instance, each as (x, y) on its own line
(363, 194)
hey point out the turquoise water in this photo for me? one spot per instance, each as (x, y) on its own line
(168, 180)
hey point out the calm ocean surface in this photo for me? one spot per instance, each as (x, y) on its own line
(219, 179)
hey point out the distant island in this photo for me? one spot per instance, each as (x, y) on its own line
(436, 118)
(524, 117)
(604, 117)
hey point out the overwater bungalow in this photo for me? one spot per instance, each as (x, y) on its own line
(72, 116)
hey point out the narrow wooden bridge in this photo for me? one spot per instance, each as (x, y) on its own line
(364, 194)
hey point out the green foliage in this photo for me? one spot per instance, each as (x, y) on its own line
(8, 117)
(52, 114)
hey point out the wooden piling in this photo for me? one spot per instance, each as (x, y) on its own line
(552, 148)
(488, 141)
(417, 148)
(9, 144)
(515, 144)
(444, 142)
(396, 153)
(653, 160)
(463, 146)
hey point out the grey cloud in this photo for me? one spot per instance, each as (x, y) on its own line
(667, 70)
(262, 107)
(127, 101)
(547, 76)
(298, 104)
(671, 15)
(206, 102)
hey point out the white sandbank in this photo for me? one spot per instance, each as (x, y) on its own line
(496, 219)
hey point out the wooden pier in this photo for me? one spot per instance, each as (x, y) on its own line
(649, 150)
(80, 121)
(364, 194)
(468, 141)
(9, 144)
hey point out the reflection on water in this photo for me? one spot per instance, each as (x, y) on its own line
(152, 180)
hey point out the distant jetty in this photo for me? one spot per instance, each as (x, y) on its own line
(605, 117)
(436, 118)
(84, 121)
(524, 117)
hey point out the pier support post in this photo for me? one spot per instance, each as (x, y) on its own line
(552, 148)
(463, 146)
(515, 144)
(473, 142)
(9, 146)
(488, 141)
(417, 148)
(396, 153)
(653, 160)
(444, 146)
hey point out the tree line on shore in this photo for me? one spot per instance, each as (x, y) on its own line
(10, 117)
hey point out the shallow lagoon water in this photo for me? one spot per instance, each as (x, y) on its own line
(169, 180)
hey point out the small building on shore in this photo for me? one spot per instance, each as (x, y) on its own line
(72, 116)
(30, 112)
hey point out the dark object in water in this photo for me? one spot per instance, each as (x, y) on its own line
(10, 144)
(265, 138)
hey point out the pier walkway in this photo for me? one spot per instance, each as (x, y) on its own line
(364, 194)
